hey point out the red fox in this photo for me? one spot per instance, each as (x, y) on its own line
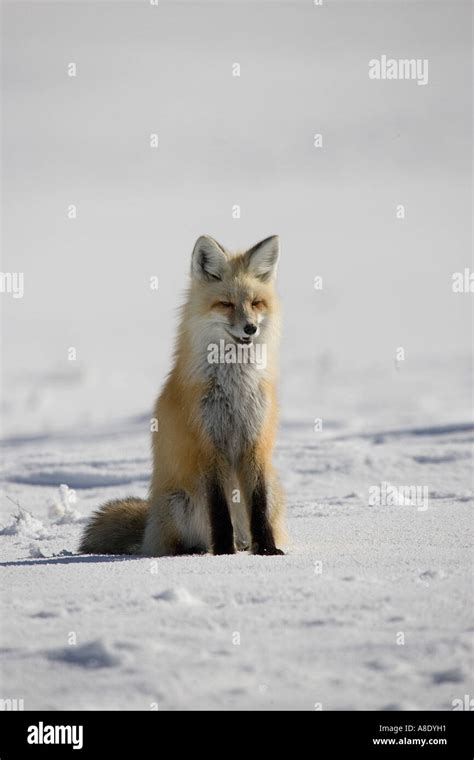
(213, 486)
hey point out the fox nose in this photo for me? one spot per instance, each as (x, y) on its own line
(250, 329)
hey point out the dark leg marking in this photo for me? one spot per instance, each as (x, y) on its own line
(221, 524)
(181, 550)
(262, 534)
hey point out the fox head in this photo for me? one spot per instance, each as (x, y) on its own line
(233, 297)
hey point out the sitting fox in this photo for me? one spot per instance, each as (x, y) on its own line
(213, 486)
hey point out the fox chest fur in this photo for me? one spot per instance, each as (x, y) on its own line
(233, 407)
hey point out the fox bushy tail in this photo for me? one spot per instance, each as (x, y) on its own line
(116, 528)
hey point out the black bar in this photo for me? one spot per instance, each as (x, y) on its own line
(322, 733)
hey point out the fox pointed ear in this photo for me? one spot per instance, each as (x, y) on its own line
(209, 260)
(262, 259)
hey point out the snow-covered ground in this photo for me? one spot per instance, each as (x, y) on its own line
(370, 607)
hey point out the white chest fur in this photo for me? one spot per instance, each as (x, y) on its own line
(234, 407)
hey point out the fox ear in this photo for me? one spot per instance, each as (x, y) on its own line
(262, 259)
(209, 260)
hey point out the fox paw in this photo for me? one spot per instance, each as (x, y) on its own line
(267, 550)
(224, 549)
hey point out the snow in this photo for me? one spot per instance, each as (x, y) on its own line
(319, 625)
(25, 525)
(95, 654)
(61, 508)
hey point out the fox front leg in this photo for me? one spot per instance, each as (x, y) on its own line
(222, 532)
(263, 509)
(263, 541)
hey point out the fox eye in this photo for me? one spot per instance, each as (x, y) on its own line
(226, 304)
(257, 303)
